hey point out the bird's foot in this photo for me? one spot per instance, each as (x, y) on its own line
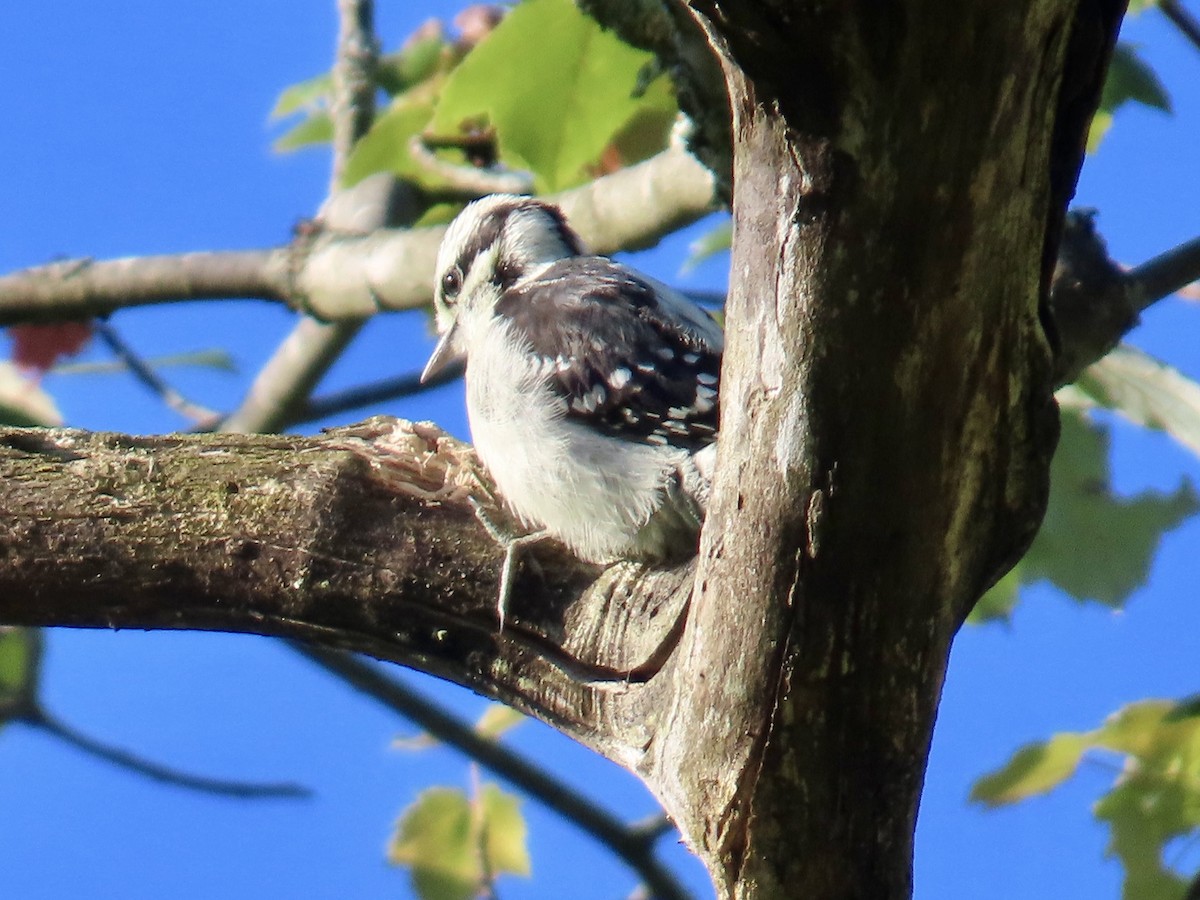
(512, 544)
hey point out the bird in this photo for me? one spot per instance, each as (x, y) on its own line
(591, 388)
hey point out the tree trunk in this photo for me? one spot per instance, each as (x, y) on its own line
(887, 415)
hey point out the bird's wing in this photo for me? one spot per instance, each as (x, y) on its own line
(631, 358)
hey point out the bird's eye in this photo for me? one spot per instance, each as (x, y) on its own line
(452, 283)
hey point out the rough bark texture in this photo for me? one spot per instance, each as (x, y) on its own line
(888, 383)
(362, 539)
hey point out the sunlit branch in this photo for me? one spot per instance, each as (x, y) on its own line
(338, 276)
(86, 288)
(352, 106)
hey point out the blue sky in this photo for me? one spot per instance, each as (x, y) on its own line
(130, 130)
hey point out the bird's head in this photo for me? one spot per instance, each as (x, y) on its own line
(494, 244)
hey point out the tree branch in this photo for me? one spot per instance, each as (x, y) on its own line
(362, 540)
(85, 288)
(201, 416)
(338, 276)
(1164, 275)
(380, 391)
(305, 355)
(633, 845)
(224, 787)
(352, 106)
(1182, 19)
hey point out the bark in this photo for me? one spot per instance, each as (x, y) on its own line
(899, 179)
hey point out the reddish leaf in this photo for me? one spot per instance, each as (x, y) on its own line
(38, 347)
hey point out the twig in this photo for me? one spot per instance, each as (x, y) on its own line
(39, 718)
(298, 363)
(305, 355)
(200, 415)
(352, 107)
(1164, 274)
(468, 181)
(367, 394)
(1181, 19)
(633, 846)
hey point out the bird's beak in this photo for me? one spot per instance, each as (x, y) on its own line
(442, 354)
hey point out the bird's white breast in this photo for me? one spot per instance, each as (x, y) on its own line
(591, 491)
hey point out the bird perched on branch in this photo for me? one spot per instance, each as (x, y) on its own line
(591, 388)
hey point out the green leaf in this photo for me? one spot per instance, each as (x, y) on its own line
(496, 720)
(648, 130)
(434, 840)
(454, 846)
(414, 63)
(503, 830)
(1101, 123)
(385, 147)
(554, 109)
(307, 95)
(1129, 79)
(20, 664)
(1000, 600)
(22, 400)
(1146, 392)
(708, 245)
(316, 129)
(1155, 797)
(1034, 769)
(1093, 544)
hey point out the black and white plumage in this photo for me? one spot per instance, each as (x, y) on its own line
(591, 388)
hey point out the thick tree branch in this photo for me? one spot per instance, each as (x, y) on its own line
(361, 540)
(86, 288)
(338, 276)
